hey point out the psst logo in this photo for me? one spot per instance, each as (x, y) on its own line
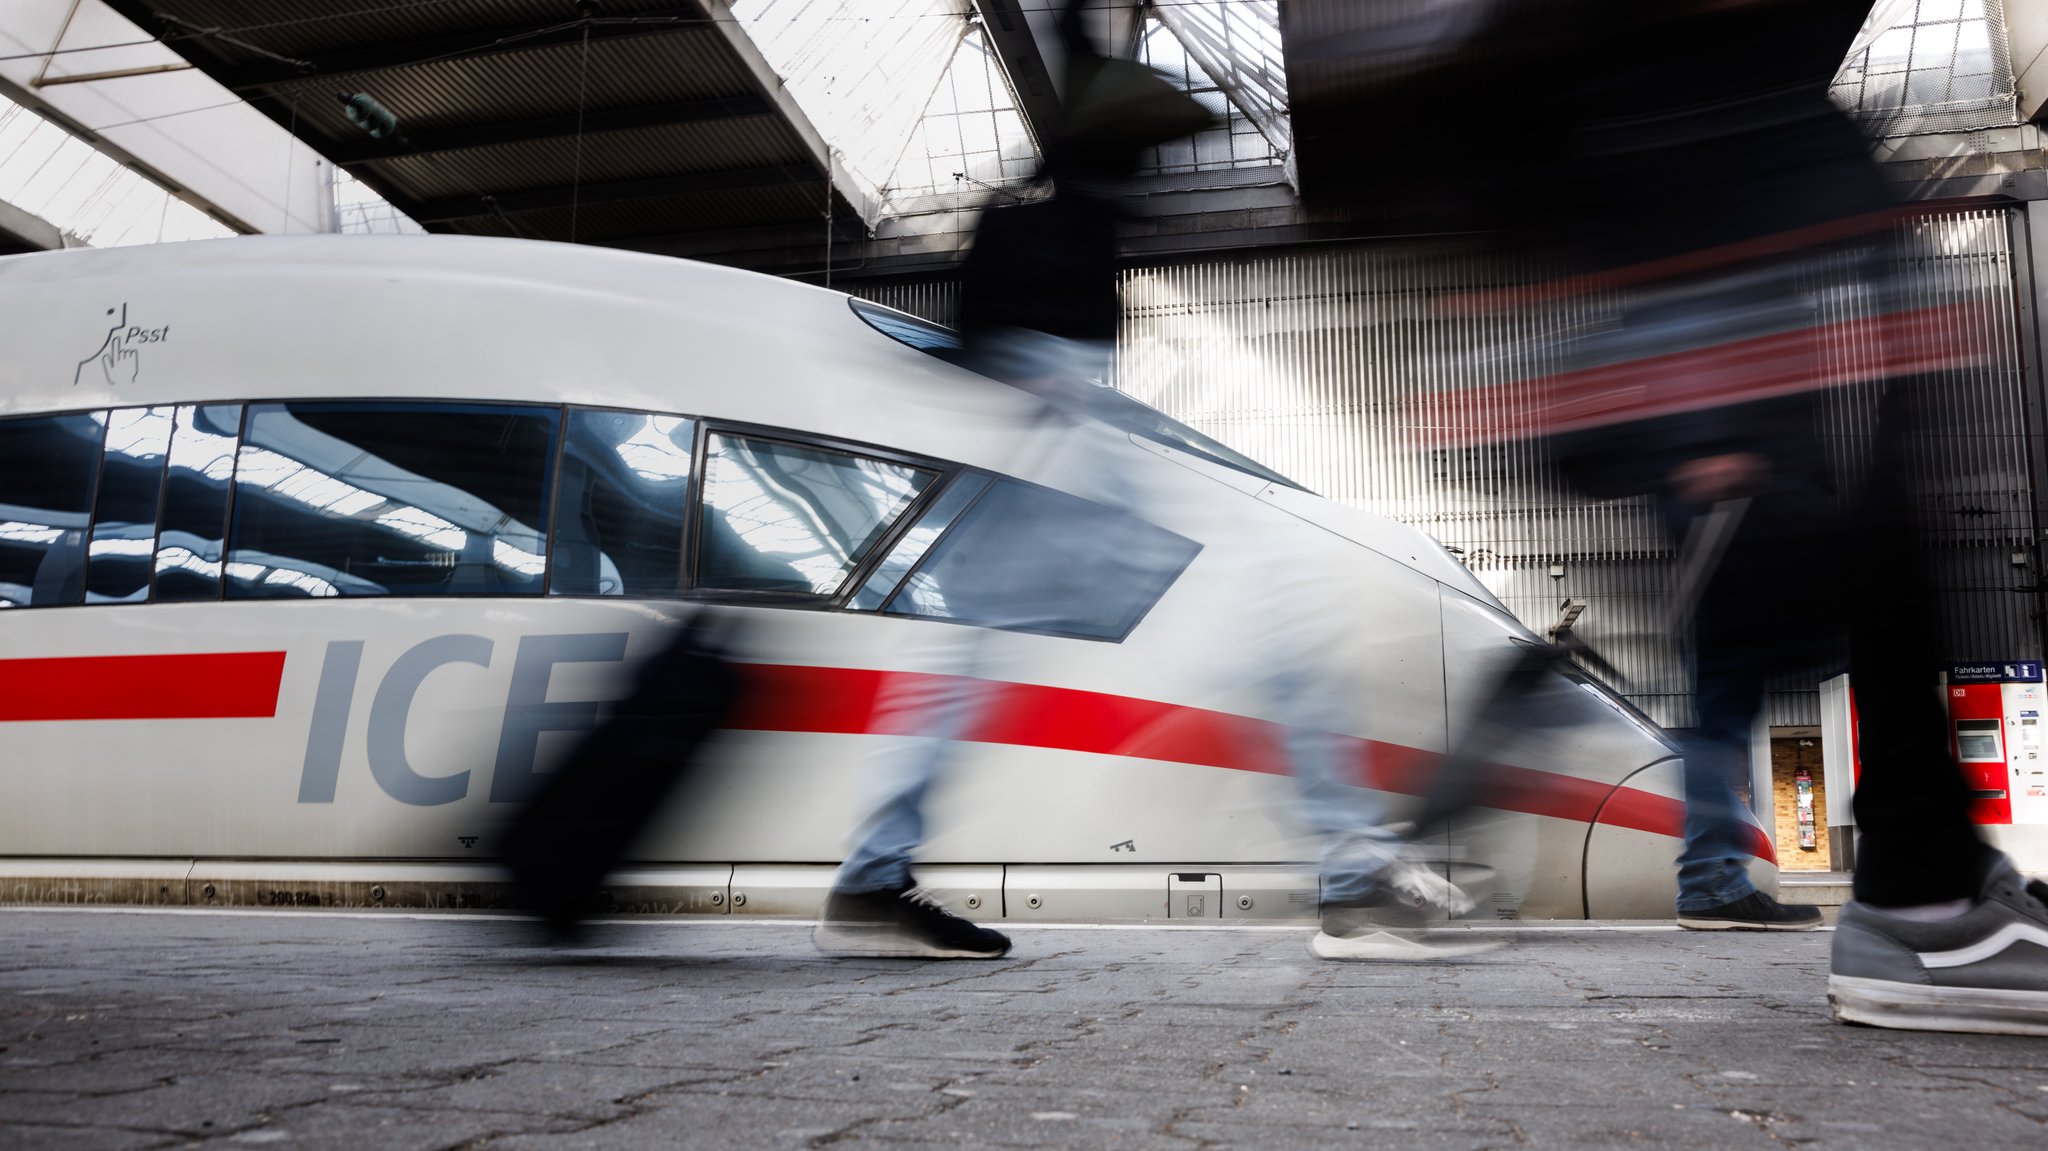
(119, 358)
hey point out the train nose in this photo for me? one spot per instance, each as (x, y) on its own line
(1584, 813)
(1635, 836)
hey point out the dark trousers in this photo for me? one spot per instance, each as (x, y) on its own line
(1798, 579)
(1917, 843)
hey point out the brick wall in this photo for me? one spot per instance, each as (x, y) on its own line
(1787, 756)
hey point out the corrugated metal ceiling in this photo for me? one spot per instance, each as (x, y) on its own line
(609, 122)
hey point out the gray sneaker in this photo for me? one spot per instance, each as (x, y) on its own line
(1985, 970)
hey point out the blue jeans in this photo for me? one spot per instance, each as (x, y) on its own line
(900, 772)
(1350, 821)
(1713, 869)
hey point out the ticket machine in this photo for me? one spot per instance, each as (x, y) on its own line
(1995, 716)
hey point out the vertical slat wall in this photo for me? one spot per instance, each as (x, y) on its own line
(934, 300)
(1972, 463)
(1312, 362)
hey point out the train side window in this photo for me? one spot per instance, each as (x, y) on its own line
(1032, 559)
(783, 517)
(49, 466)
(192, 540)
(118, 560)
(387, 498)
(620, 506)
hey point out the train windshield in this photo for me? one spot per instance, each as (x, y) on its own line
(1112, 406)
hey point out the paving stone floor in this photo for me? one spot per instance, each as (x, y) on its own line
(127, 1029)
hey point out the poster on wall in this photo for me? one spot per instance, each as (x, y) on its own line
(1802, 782)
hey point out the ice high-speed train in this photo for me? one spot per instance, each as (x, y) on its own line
(316, 552)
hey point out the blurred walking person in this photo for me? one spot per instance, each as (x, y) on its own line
(1737, 213)
(1039, 311)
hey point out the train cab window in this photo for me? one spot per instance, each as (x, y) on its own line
(1031, 559)
(937, 517)
(388, 498)
(192, 540)
(791, 518)
(621, 503)
(120, 555)
(49, 466)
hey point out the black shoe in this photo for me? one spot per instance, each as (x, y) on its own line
(1753, 912)
(902, 922)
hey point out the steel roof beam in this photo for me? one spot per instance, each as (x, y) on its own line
(22, 231)
(549, 127)
(1019, 51)
(768, 82)
(469, 207)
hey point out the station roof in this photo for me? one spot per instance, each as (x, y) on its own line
(770, 133)
(683, 124)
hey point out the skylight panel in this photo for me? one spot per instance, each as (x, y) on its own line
(358, 211)
(49, 173)
(861, 70)
(1237, 42)
(971, 139)
(1237, 142)
(1929, 66)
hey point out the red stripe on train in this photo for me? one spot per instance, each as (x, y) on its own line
(244, 685)
(844, 701)
(214, 685)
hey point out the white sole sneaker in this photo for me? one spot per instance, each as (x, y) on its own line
(1920, 1007)
(1985, 970)
(1398, 946)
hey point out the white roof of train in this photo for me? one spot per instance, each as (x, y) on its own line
(560, 267)
(458, 317)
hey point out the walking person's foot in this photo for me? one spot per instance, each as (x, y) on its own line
(1390, 921)
(1753, 912)
(1984, 969)
(901, 922)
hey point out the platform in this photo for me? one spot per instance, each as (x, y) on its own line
(156, 1028)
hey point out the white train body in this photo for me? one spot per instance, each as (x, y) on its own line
(315, 729)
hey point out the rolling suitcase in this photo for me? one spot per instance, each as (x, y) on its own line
(593, 809)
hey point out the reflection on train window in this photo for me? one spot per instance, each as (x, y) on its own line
(390, 499)
(118, 559)
(1033, 559)
(619, 513)
(48, 465)
(191, 541)
(937, 517)
(784, 518)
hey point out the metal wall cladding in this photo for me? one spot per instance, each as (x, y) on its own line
(1322, 365)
